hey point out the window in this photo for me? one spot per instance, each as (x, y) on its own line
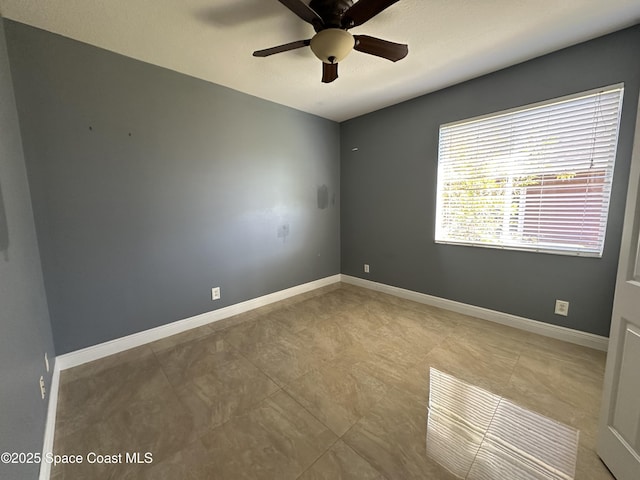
(535, 178)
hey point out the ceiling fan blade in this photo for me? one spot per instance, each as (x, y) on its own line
(329, 72)
(281, 48)
(364, 10)
(381, 48)
(304, 11)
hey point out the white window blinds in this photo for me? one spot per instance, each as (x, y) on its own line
(534, 178)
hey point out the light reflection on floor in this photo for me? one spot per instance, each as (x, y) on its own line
(478, 435)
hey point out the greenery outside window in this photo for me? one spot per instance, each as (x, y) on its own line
(534, 178)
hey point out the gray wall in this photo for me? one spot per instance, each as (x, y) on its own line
(389, 191)
(25, 333)
(150, 187)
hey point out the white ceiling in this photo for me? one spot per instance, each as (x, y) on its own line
(449, 41)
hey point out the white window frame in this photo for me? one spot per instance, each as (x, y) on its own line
(523, 155)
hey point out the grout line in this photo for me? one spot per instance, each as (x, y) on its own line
(321, 454)
(232, 417)
(323, 362)
(241, 353)
(513, 370)
(484, 436)
(360, 455)
(355, 449)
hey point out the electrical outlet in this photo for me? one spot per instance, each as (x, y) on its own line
(366, 268)
(562, 308)
(46, 361)
(215, 293)
(43, 390)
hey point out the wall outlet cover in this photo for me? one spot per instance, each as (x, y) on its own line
(43, 391)
(562, 308)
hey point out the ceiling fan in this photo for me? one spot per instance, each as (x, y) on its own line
(332, 42)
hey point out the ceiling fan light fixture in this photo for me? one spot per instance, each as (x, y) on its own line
(332, 45)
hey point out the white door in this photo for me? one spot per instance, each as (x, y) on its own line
(619, 434)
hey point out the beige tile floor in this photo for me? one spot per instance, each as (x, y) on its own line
(333, 384)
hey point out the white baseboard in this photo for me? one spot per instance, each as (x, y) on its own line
(95, 352)
(50, 425)
(78, 357)
(548, 330)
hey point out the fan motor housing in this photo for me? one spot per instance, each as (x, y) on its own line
(330, 11)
